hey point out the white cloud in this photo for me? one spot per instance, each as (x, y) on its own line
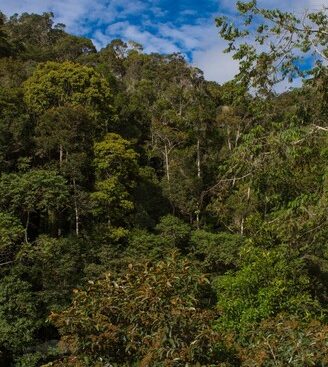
(216, 65)
(285, 85)
(77, 13)
(67, 11)
(206, 48)
(131, 32)
(108, 19)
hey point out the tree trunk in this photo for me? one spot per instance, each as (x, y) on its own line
(248, 193)
(229, 141)
(167, 166)
(198, 159)
(76, 209)
(237, 137)
(180, 108)
(60, 155)
(26, 227)
(242, 226)
(197, 219)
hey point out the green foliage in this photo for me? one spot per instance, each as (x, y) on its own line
(70, 47)
(112, 160)
(283, 341)
(11, 236)
(54, 266)
(5, 46)
(174, 230)
(19, 318)
(216, 252)
(64, 130)
(36, 37)
(281, 41)
(11, 230)
(29, 360)
(115, 157)
(116, 169)
(14, 124)
(268, 282)
(35, 190)
(143, 244)
(55, 84)
(161, 325)
(111, 200)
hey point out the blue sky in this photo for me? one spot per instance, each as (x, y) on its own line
(164, 26)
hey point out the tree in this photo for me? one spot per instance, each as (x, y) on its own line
(19, 318)
(163, 325)
(116, 170)
(69, 47)
(54, 266)
(39, 192)
(66, 134)
(62, 131)
(283, 340)
(277, 43)
(58, 84)
(5, 46)
(15, 125)
(268, 282)
(11, 235)
(112, 160)
(216, 253)
(32, 35)
(114, 55)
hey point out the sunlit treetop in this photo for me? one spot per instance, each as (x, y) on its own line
(55, 84)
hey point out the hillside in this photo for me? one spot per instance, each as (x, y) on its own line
(149, 217)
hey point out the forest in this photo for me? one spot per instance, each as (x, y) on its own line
(152, 218)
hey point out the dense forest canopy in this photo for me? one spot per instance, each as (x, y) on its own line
(149, 217)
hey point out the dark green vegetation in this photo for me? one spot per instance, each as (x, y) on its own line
(152, 218)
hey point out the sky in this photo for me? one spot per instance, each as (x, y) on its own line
(165, 26)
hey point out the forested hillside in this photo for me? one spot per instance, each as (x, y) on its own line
(149, 217)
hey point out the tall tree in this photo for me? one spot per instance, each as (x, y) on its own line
(116, 171)
(58, 84)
